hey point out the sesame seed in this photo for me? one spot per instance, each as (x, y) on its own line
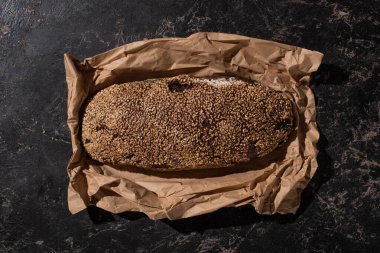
(185, 122)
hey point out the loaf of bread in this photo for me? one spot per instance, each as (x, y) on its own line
(185, 122)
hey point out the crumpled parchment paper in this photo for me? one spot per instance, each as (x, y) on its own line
(272, 184)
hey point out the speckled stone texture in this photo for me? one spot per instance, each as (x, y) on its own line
(340, 209)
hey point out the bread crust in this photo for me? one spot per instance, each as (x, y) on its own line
(184, 122)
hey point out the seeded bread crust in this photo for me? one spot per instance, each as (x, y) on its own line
(185, 122)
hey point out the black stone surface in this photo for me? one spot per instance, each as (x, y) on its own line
(340, 210)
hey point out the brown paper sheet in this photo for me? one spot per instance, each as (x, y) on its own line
(272, 184)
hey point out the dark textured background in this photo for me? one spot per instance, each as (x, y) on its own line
(340, 209)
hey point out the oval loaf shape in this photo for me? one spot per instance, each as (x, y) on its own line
(185, 122)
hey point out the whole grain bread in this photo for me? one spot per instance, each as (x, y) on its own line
(185, 122)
